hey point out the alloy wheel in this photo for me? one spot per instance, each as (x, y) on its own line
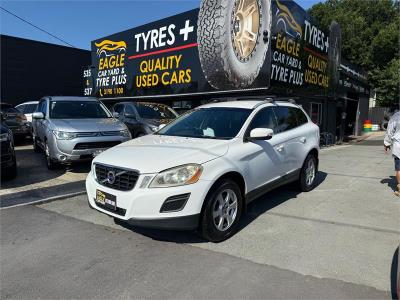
(310, 172)
(225, 209)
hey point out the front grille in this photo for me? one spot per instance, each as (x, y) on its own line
(96, 145)
(174, 203)
(94, 134)
(124, 180)
(87, 134)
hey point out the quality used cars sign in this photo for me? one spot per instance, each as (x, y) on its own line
(250, 44)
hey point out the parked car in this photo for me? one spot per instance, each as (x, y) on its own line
(143, 118)
(15, 120)
(28, 108)
(70, 129)
(201, 170)
(8, 160)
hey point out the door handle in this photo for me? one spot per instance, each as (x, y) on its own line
(303, 140)
(280, 148)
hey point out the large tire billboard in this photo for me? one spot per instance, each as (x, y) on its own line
(224, 46)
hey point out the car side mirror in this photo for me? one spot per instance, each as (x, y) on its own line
(261, 134)
(38, 115)
(161, 126)
(115, 115)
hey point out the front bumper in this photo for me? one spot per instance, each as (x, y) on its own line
(7, 155)
(65, 151)
(21, 130)
(141, 206)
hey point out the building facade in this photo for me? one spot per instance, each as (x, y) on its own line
(32, 69)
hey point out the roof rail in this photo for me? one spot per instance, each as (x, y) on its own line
(242, 98)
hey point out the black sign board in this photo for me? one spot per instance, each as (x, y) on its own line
(252, 44)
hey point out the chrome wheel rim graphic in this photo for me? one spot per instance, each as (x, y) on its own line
(245, 27)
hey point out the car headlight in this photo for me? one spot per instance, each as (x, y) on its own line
(125, 133)
(5, 137)
(182, 175)
(63, 135)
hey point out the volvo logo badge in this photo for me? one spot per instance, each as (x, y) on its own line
(110, 177)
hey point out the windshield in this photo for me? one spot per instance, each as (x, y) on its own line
(78, 110)
(155, 111)
(213, 123)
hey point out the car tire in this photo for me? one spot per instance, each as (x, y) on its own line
(217, 209)
(308, 174)
(36, 147)
(50, 163)
(228, 59)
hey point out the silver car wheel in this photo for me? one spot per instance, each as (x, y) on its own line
(225, 210)
(310, 172)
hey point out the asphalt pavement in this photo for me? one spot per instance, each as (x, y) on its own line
(336, 242)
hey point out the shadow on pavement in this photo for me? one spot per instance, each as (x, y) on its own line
(391, 182)
(255, 209)
(32, 169)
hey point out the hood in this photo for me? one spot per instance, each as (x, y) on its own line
(87, 125)
(155, 153)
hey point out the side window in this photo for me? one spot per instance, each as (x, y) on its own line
(130, 110)
(42, 107)
(118, 108)
(286, 118)
(301, 117)
(39, 107)
(21, 108)
(265, 118)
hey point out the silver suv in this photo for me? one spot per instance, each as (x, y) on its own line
(74, 128)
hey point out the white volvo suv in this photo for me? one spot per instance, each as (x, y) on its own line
(200, 171)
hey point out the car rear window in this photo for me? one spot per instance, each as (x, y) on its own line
(154, 111)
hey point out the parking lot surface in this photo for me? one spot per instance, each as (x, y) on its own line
(35, 182)
(336, 242)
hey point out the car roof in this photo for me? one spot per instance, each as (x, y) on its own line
(71, 98)
(141, 102)
(28, 102)
(247, 104)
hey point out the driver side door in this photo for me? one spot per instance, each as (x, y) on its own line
(265, 159)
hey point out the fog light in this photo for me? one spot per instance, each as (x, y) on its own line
(174, 203)
(63, 158)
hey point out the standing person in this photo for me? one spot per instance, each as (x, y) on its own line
(392, 142)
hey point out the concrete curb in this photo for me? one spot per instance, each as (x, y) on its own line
(47, 200)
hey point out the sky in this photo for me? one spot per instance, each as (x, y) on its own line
(78, 22)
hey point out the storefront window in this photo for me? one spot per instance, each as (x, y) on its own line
(316, 113)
